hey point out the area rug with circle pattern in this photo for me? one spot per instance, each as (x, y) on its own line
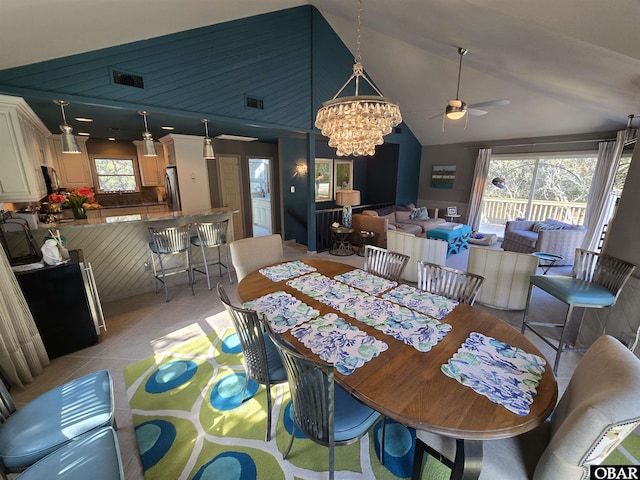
(191, 423)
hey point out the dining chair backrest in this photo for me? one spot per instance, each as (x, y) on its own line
(250, 333)
(7, 407)
(384, 263)
(449, 282)
(607, 271)
(249, 254)
(212, 234)
(597, 411)
(171, 239)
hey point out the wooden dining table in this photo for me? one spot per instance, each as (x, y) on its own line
(408, 385)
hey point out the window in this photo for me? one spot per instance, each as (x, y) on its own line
(116, 174)
(536, 187)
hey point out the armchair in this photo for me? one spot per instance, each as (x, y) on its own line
(552, 236)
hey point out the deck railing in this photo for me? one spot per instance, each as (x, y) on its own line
(497, 211)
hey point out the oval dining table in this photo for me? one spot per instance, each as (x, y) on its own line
(408, 386)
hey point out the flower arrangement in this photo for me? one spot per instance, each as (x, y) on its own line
(79, 196)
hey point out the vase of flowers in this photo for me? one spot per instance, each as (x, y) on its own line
(77, 199)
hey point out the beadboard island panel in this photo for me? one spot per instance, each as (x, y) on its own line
(118, 248)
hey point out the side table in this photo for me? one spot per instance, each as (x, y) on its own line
(457, 239)
(365, 238)
(547, 257)
(341, 241)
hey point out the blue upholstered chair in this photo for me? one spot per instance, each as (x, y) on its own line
(597, 411)
(261, 360)
(324, 411)
(94, 456)
(595, 282)
(211, 235)
(53, 419)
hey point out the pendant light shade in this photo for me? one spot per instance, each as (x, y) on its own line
(207, 149)
(148, 147)
(69, 142)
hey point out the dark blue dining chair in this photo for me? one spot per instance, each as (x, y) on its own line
(324, 411)
(53, 419)
(595, 282)
(262, 363)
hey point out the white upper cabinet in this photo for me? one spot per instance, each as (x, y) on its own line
(151, 168)
(23, 151)
(73, 168)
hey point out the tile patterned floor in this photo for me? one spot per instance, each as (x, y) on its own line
(143, 325)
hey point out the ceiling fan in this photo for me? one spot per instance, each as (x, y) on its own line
(456, 109)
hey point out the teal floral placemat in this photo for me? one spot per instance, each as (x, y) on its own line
(371, 284)
(285, 271)
(408, 326)
(435, 306)
(504, 374)
(338, 342)
(283, 311)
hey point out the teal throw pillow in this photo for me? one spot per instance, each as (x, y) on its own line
(420, 213)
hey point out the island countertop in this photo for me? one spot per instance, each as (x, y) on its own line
(140, 217)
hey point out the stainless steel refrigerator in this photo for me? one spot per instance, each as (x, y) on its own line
(172, 191)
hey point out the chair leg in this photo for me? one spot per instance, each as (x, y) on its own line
(164, 279)
(562, 340)
(331, 459)
(526, 308)
(268, 386)
(219, 260)
(190, 275)
(382, 431)
(206, 267)
(228, 264)
(293, 436)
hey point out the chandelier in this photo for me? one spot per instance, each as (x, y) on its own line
(356, 124)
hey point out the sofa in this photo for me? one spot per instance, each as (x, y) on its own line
(550, 236)
(395, 217)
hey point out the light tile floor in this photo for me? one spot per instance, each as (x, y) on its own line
(140, 326)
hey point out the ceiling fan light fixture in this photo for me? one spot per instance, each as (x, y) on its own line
(456, 109)
(207, 147)
(356, 124)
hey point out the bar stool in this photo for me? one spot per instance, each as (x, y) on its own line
(170, 241)
(211, 235)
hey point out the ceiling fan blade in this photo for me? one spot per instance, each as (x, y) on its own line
(491, 103)
(476, 112)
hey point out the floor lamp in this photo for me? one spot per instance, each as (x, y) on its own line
(347, 199)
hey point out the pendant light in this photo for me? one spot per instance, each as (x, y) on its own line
(69, 143)
(148, 147)
(207, 149)
(356, 124)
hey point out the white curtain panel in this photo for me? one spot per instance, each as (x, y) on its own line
(479, 183)
(600, 198)
(22, 353)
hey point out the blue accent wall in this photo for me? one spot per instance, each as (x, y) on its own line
(292, 59)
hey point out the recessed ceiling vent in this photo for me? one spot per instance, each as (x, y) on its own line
(128, 79)
(253, 102)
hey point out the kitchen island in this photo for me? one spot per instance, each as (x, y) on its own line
(118, 247)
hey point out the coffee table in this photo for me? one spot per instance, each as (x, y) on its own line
(457, 238)
(547, 257)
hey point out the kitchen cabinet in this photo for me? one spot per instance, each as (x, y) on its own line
(151, 168)
(23, 140)
(73, 168)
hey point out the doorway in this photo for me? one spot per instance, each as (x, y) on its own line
(260, 186)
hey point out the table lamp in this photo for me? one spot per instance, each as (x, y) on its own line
(347, 199)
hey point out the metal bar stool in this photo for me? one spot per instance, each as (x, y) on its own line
(170, 241)
(211, 235)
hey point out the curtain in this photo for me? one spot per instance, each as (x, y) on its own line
(22, 353)
(600, 198)
(477, 191)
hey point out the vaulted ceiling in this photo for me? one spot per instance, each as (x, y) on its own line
(567, 67)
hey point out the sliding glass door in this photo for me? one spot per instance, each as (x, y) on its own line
(536, 187)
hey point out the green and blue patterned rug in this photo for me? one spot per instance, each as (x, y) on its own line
(190, 424)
